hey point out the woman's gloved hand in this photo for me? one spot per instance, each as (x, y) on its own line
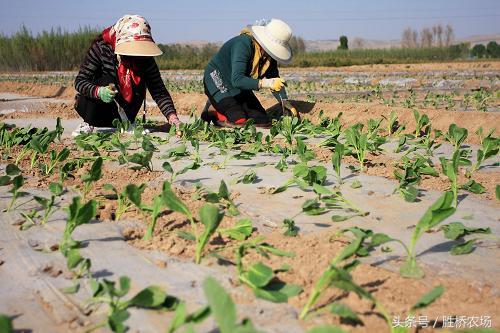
(274, 84)
(289, 107)
(106, 94)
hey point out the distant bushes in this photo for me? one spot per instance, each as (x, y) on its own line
(60, 50)
(380, 56)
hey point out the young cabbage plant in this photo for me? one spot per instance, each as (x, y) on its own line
(109, 293)
(15, 178)
(223, 309)
(489, 148)
(357, 143)
(450, 170)
(78, 214)
(56, 190)
(409, 174)
(241, 230)
(134, 194)
(124, 204)
(291, 229)
(394, 128)
(435, 214)
(456, 135)
(94, 174)
(421, 123)
(223, 198)
(337, 155)
(210, 217)
(304, 176)
(173, 174)
(336, 200)
(40, 144)
(141, 160)
(181, 318)
(260, 278)
(55, 159)
(456, 231)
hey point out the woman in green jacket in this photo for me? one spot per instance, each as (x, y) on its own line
(245, 63)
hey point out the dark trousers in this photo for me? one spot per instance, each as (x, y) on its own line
(242, 106)
(95, 112)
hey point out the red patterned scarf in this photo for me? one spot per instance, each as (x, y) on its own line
(127, 70)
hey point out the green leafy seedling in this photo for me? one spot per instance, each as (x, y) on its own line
(109, 293)
(241, 230)
(224, 310)
(210, 217)
(435, 214)
(56, 190)
(124, 203)
(337, 155)
(94, 174)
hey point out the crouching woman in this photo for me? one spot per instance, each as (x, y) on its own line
(246, 63)
(113, 78)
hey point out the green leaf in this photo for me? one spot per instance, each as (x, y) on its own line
(258, 275)
(455, 230)
(12, 170)
(320, 189)
(56, 188)
(344, 312)
(5, 180)
(463, 248)
(167, 167)
(86, 212)
(134, 194)
(277, 292)
(173, 202)
(116, 320)
(223, 190)
(428, 298)
(211, 218)
(497, 191)
(436, 213)
(150, 297)
(186, 235)
(474, 187)
(73, 258)
(379, 239)
(221, 305)
(356, 184)
(340, 218)
(6, 324)
(71, 290)
(241, 231)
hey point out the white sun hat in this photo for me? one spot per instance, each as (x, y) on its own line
(274, 37)
(133, 37)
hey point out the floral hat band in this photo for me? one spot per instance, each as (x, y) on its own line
(133, 37)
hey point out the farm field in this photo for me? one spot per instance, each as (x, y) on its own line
(377, 211)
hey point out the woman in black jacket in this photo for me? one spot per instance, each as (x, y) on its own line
(113, 78)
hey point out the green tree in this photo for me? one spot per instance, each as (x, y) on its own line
(493, 49)
(343, 43)
(479, 51)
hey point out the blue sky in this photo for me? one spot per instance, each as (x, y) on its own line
(218, 20)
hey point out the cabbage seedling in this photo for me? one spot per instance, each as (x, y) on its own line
(13, 176)
(94, 174)
(210, 217)
(173, 174)
(435, 214)
(223, 309)
(55, 158)
(78, 214)
(337, 155)
(450, 170)
(56, 190)
(357, 143)
(456, 135)
(489, 148)
(107, 292)
(124, 203)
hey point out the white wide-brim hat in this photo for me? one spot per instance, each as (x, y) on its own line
(274, 37)
(133, 37)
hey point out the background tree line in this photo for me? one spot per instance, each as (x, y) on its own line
(61, 50)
